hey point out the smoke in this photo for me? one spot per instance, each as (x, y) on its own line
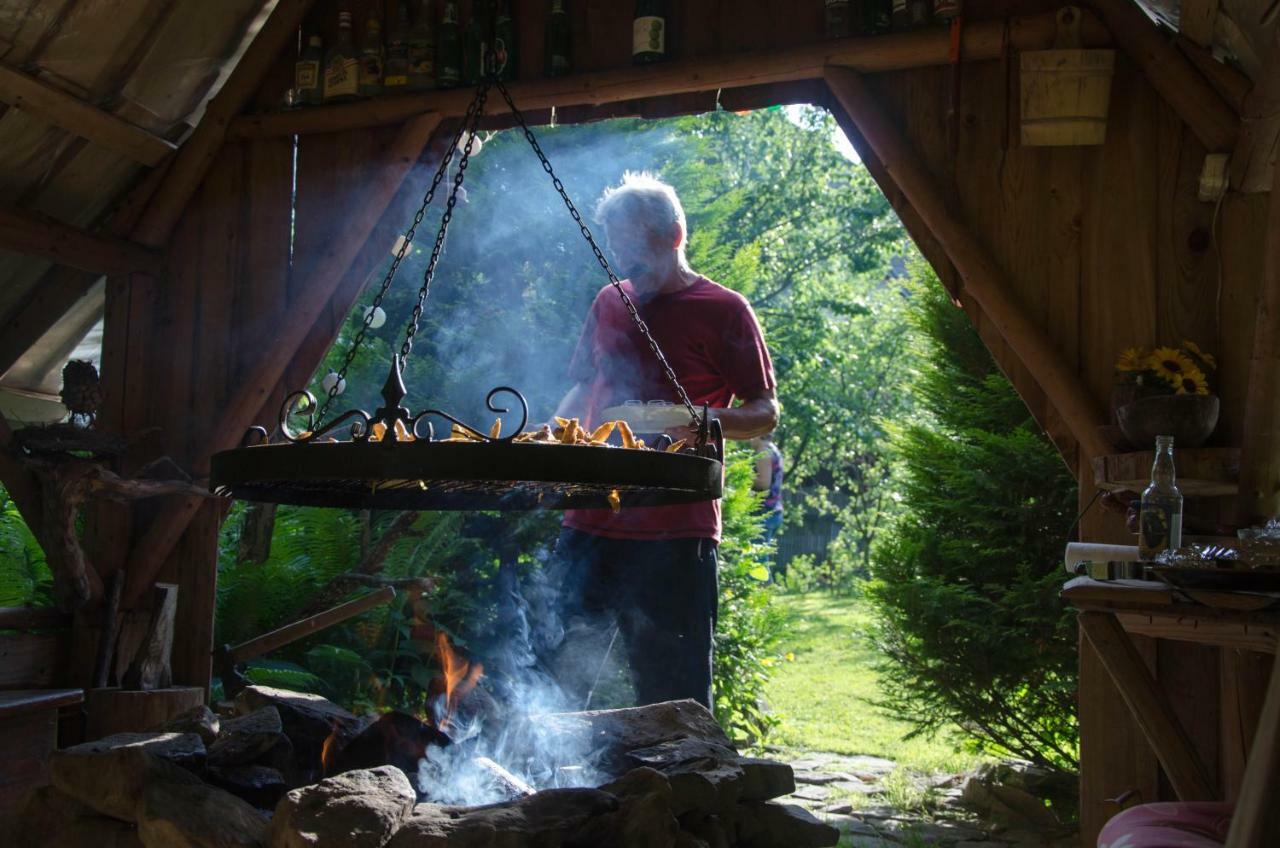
(510, 727)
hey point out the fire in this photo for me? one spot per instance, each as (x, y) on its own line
(460, 676)
(329, 750)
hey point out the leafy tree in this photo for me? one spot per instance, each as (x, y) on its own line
(966, 583)
(25, 579)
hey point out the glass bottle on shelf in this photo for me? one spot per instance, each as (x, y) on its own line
(557, 43)
(341, 65)
(308, 85)
(649, 32)
(1160, 518)
(449, 48)
(901, 15)
(395, 75)
(921, 13)
(504, 41)
(877, 16)
(371, 58)
(479, 40)
(837, 18)
(423, 47)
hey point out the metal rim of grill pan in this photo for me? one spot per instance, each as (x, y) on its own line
(427, 475)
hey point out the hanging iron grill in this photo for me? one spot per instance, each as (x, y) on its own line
(393, 458)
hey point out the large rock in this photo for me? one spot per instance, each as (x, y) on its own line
(173, 815)
(48, 816)
(111, 780)
(308, 720)
(261, 786)
(358, 809)
(247, 739)
(184, 749)
(612, 734)
(543, 819)
(774, 825)
(199, 720)
(764, 780)
(644, 818)
(703, 775)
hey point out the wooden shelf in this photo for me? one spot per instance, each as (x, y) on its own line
(1202, 472)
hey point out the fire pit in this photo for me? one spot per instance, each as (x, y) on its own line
(659, 775)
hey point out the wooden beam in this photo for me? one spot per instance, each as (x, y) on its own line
(1169, 73)
(1260, 447)
(1256, 820)
(1150, 707)
(1231, 85)
(1255, 154)
(331, 267)
(99, 127)
(199, 150)
(982, 278)
(919, 48)
(39, 235)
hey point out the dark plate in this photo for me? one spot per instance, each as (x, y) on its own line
(1218, 579)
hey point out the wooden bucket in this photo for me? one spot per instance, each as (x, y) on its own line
(1065, 91)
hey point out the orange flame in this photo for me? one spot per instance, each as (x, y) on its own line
(460, 675)
(329, 750)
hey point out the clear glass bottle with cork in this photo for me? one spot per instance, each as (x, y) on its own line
(1160, 518)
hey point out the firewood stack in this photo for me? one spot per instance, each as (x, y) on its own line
(674, 781)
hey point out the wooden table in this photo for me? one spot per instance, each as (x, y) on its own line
(28, 735)
(1109, 611)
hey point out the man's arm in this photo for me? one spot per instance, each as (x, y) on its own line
(755, 417)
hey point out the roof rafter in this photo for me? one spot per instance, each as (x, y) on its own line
(39, 235)
(25, 92)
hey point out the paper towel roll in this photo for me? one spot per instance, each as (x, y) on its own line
(1095, 552)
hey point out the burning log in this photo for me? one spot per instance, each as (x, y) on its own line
(396, 738)
(510, 785)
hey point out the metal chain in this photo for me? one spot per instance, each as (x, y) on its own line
(477, 104)
(600, 257)
(470, 124)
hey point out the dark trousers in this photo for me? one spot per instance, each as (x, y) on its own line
(661, 598)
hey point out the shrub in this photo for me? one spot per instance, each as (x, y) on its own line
(965, 585)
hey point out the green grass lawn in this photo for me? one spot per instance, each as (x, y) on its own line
(822, 694)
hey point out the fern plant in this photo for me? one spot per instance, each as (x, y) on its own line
(25, 579)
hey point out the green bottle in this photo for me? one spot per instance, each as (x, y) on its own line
(877, 17)
(479, 42)
(422, 49)
(504, 42)
(341, 64)
(308, 86)
(395, 76)
(449, 48)
(649, 32)
(371, 59)
(556, 47)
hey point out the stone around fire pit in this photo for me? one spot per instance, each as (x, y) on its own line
(199, 720)
(775, 825)
(110, 777)
(547, 818)
(358, 809)
(307, 719)
(249, 738)
(48, 816)
(616, 733)
(644, 818)
(763, 780)
(173, 815)
(260, 786)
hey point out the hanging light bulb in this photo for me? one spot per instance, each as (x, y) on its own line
(332, 379)
(379, 317)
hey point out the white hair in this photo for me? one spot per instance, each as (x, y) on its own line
(641, 198)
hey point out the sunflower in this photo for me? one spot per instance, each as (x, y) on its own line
(1132, 359)
(1198, 354)
(1190, 382)
(1169, 363)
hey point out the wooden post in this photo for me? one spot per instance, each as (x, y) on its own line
(1171, 74)
(982, 278)
(1260, 451)
(151, 550)
(1255, 153)
(1256, 821)
(1141, 692)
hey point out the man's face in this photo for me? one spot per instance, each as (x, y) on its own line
(638, 254)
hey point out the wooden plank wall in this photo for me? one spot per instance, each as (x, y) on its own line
(1106, 247)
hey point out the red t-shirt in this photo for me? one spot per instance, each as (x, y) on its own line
(713, 341)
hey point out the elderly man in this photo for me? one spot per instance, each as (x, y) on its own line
(649, 573)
